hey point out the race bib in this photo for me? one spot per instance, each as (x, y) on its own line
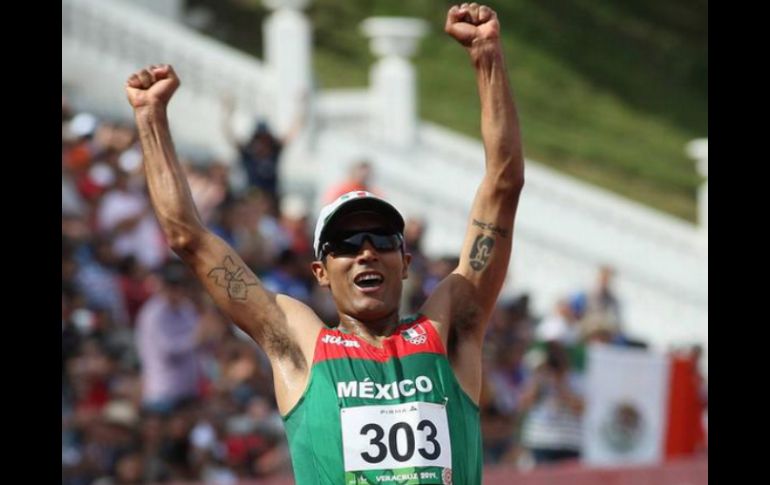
(405, 444)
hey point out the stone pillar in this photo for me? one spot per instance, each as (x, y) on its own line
(393, 88)
(288, 42)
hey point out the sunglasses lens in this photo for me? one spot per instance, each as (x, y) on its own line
(385, 243)
(352, 244)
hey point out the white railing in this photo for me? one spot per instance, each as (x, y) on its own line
(130, 34)
(103, 41)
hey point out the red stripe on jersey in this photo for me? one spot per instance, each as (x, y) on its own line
(416, 337)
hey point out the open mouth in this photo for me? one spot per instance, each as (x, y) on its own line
(368, 280)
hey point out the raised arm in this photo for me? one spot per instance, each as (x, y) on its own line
(487, 247)
(272, 320)
(463, 301)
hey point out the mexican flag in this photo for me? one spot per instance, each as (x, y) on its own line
(642, 407)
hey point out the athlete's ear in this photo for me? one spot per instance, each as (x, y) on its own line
(405, 270)
(319, 271)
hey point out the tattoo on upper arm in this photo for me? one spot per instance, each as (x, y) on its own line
(488, 226)
(234, 278)
(480, 252)
(482, 246)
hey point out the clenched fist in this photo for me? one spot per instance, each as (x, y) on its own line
(152, 86)
(472, 25)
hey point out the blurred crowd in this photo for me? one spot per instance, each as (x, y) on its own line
(158, 386)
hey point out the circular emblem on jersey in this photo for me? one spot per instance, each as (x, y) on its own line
(415, 335)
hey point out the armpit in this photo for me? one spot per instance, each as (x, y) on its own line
(465, 321)
(279, 344)
(270, 331)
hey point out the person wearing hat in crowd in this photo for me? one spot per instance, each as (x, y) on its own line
(373, 397)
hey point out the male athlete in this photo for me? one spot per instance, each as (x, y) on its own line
(374, 398)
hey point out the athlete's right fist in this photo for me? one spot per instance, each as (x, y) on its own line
(472, 24)
(152, 86)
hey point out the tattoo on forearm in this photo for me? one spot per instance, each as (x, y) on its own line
(481, 251)
(234, 278)
(488, 226)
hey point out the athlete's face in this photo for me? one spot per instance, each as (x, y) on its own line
(366, 284)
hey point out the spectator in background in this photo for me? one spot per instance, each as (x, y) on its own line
(167, 343)
(209, 188)
(90, 441)
(228, 222)
(287, 277)
(78, 155)
(259, 157)
(110, 140)
(213, 333)
(438, 269)
(135, 286)
(176, 449)
(72, 203)
(504, 380)
(129, 470)
(596, 331)
(511, 322)
(262, 235)
(703, 394)
(600, 305)
(66, 109)
(359, 178)
(261, 154)
(295, 225)
(553, 401)
(98, 281)
(115, 445)
(412, 297)
(152, 436)
(562, 325)
(125, 214)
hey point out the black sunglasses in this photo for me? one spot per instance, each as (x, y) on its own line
(347, 244)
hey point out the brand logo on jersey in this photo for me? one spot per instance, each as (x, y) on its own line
(337, 340)
(416, 335)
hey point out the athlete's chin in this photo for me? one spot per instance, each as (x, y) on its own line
(373, 309)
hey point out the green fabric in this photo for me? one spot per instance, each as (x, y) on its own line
(314, 429)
